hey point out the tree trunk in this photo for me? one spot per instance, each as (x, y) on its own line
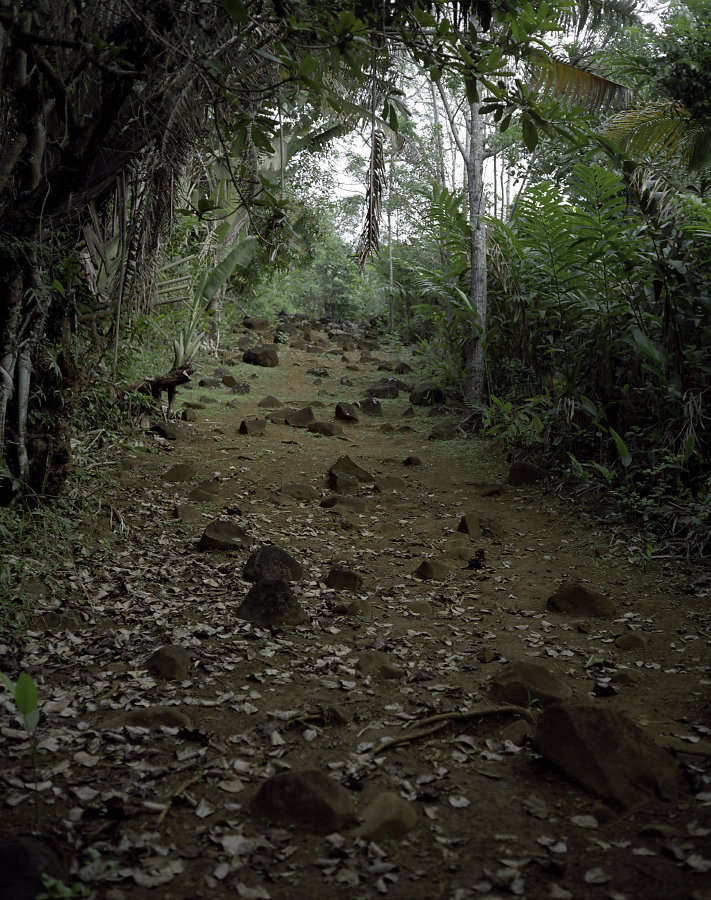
(474, 358)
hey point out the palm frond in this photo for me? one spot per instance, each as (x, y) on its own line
(662, 130)
(575, 86)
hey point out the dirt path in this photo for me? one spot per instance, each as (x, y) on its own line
(470, 801)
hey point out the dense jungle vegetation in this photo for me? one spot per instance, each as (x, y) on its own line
(518, 189)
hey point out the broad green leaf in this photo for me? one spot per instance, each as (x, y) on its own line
(530, 133)
(625, 455)
(240, 255)
(25, 694)
(10, 685)
(31, 720)
(236, 9)
(689, 447)
(588, 405)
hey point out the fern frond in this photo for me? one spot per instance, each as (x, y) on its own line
(575, 86)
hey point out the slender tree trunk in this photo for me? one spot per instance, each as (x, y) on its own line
(391, 280)
(474, 359)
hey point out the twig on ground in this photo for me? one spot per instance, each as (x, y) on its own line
(177, 792)
(436, 723)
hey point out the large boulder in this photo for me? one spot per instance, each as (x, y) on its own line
(606, 753)
(222, 534)
(266, 356)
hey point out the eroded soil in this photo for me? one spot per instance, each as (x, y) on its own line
(165, 812)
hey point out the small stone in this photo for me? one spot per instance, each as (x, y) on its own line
(300, 491)
(489, 489)
(278, 417)
(265, 356)
(189, 415)
(383, 390)
(188, 514)
(631, 640)
(242, 387)
(209, 383)
(523, 683)
(409, 413)
(371, 407)
(412, 461)
(206, 491)
(253, 427)
(347, 466)
(327, 429)
(308, 800)
(579, 600)
(346, 412)
(229, 381)
(256, 323)
(387, 817)
(375, 661)
(318, 372)
(271, 603)
(152, 717)
(426, 395)
(470, 524)
(444, 431)
(270, 403)
(523, 473)
(180, 472)
(171, 662)
(432, 570)
(222, 534)
(302, 418)
(361, 608)
(341, 578)
(351, 504)
(272, 562)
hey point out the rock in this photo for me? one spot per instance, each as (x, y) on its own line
(149, 717)
(206, 491)
(631, 640)
(606, 753)
(346, 412)
(444, 431)
(579, 600)
(272, 562)
(351, 504)
(271, 603)
(265, 355)
(426, 395)
(222, 534)
(371, 407)
(278, 417)
(253, 427)
(300, 491)
(256, 323)
(341, 578)
(229, 381)
(166, 430)
(170, 662)
(438, 410)
(270, 403)
(327, 429)
(389, 484)
(302, 418)
(242, 387)
(344, 472)
(383, 390)
(522, 473)
(523, 682)
(307, 800)
(180, 472)
(189, 415)
(470, 524)
(24, 859)
(377, 662)
(361, 608)
(209, 383)
(188, 514)
(319, 372)
(625, 677)
(412, 461)
(403, 369)
(489, 489)
(387, 817)
(367, 344)
(432, 570)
